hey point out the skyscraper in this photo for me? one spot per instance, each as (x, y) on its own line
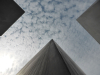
(51, 60)
(9, 13)
(90, 20)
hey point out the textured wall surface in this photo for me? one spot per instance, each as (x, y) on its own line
(42, 21)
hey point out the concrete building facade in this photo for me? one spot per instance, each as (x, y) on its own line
(51, 60)
(90, 20)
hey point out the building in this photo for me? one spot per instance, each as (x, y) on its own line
(90, 20)
(51, 60)
(9, 13)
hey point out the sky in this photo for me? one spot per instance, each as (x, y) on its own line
(42, 21)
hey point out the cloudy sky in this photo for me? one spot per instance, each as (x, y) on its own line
(42, 21)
